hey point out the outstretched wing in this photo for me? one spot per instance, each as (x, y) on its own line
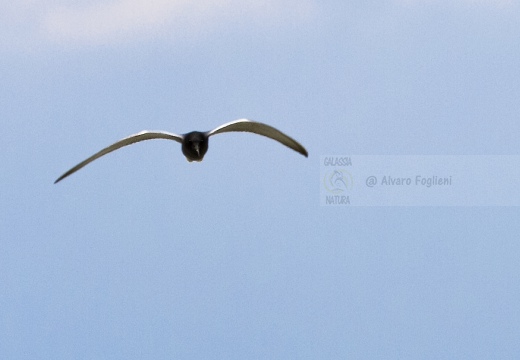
(143, 135)
(260, 129)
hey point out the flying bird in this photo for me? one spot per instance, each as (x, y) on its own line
(195, 143)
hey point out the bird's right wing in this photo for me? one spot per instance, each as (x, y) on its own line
(143, 135)
(260, 129)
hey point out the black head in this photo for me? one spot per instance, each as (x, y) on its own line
(195, 145)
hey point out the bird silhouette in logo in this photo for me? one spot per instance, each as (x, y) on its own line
(337, 182)
(195, 143)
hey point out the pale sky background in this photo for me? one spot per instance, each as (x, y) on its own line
(142, 255)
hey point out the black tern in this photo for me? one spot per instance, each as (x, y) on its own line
(195, 143)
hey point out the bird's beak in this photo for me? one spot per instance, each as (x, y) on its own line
(197, 149)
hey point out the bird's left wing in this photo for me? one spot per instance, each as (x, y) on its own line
(143, 135)
(260, 129)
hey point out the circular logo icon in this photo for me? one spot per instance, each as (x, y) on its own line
(338, 181)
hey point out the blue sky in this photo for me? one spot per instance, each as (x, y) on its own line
(144, 255)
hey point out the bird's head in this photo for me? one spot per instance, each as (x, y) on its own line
(194, 145)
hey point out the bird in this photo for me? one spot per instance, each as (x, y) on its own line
(195, 143)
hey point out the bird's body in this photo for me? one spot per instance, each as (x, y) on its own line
(195, 143)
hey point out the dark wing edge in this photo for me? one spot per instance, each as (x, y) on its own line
(260, 129)
(141, 136)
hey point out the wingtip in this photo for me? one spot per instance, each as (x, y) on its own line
(303, 151)
(60, 178)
